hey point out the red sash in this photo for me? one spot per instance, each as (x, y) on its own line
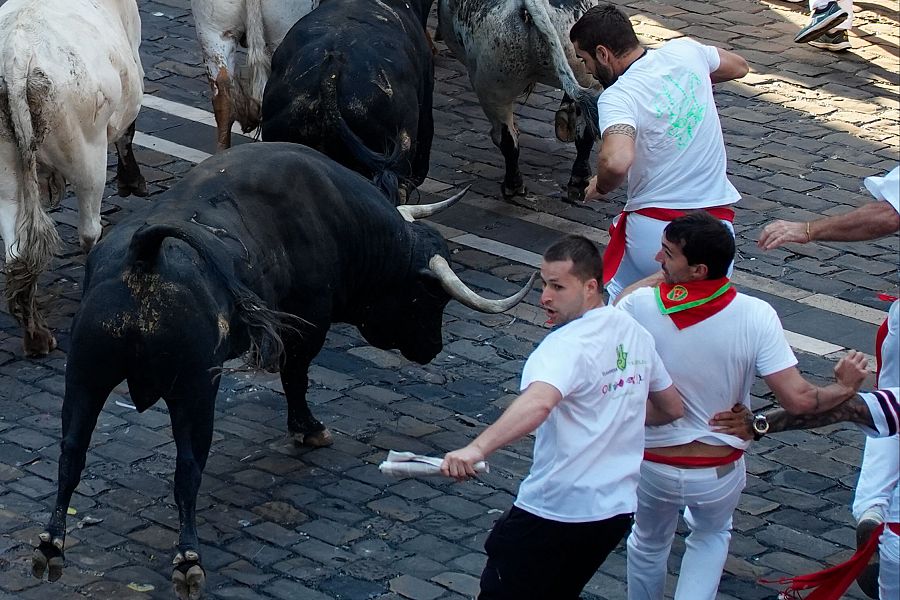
(831, 584)
(693, 461)
(615, 250)
(690, 302)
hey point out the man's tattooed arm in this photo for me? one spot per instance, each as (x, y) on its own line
(854, 410)
(620, 128)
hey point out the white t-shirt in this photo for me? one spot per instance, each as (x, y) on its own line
(587, 453)
(889, 375)
(885, 410)
(712, 363)
(667, 97)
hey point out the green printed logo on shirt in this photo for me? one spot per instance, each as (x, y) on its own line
(677, 103)
(621, 357)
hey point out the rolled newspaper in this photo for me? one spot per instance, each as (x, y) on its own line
(407, 464)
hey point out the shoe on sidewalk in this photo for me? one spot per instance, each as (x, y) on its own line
(820, 22)
(868, 578)
(836, 41)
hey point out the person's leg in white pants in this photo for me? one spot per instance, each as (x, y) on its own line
(845, 4)
(889, 554)
(877, 475)
(710, 495)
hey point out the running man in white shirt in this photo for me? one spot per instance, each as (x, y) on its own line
(713, 342)
(585, 388)
(660, 131)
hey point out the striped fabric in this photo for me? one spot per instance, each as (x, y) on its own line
(885, 409)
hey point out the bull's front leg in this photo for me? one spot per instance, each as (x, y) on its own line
(581, 168)
(191, 409)
(128, 175)
(80, 410)
(303, 426)
(565, 122)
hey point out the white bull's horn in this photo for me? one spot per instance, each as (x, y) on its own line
(458, 290)
(411, 212)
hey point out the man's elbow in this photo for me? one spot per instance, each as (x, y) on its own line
(741, 68)
(612, 169)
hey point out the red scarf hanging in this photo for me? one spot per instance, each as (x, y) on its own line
(690, 302)
(615, 250)
(831, 584)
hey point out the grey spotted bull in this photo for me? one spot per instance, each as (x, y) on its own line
(259, 248)
(510, 45)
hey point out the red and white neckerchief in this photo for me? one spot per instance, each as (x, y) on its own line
(691, 302)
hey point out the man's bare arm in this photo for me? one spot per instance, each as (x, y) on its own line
(739, 422)
(868, 222)
(731, 66)
(614, 160)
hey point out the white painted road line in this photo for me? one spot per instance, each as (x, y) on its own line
(741, 278)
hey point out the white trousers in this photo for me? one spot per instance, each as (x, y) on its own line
(877, 475)
(845, 4)
(889, 571)
(643, 240)
(709, 497)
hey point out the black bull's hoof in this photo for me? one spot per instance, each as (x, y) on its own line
(315, 439)
(48, 556)
(188, 577)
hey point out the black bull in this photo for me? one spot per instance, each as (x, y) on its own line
(259, 248)
(360, 92)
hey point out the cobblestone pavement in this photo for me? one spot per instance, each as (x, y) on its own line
(279, 522)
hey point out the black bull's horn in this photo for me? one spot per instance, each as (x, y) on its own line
(458, 290)
(450, 281)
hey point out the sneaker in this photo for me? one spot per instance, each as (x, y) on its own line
(821, 21)
(868, 578)
(836, 41)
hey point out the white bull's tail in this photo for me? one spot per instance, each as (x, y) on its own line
(585, 97)
(26, 90)
(258, 59)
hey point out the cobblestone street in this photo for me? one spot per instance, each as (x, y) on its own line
(280, 522)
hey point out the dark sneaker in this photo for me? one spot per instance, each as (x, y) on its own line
(868, 578)
(836, 42)
(820, 22)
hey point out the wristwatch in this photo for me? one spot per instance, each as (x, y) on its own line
(760, 426)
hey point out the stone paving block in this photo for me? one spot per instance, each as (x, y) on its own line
(415, 588)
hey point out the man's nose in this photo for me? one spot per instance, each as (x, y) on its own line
(659, 257)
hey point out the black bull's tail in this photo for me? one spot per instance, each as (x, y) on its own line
(263, 325)
(383, 167)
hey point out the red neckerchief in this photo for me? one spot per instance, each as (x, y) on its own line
(690, 302)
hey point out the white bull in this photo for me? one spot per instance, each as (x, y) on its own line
(507, 47)
(71, 83)
(260, 25)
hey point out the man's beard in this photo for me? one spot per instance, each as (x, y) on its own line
(605, 75)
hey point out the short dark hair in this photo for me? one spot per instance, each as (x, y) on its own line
(704, 240)
(584, 254)
(604, 25)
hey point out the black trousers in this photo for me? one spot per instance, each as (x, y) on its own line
(531, 558)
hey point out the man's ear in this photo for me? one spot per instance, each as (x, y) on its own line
(699, 272)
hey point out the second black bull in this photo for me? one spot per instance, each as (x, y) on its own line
(259, 248)
(354, 80)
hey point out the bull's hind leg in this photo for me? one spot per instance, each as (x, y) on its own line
(581, 168)
(302, 425)
(128, 175)
(88, 179)
(565, 121)
(191, 410)
(81, 407)
(506, 137)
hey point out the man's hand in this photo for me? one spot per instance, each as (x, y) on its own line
(591, 193)
(779, 233)
(737, 422)
(851, 370)
(460, 464)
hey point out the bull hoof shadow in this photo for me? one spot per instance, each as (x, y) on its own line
(137, 187)
(317, 439)
(564, 123)
(38, 343)
(188, 577)
(48, 558)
